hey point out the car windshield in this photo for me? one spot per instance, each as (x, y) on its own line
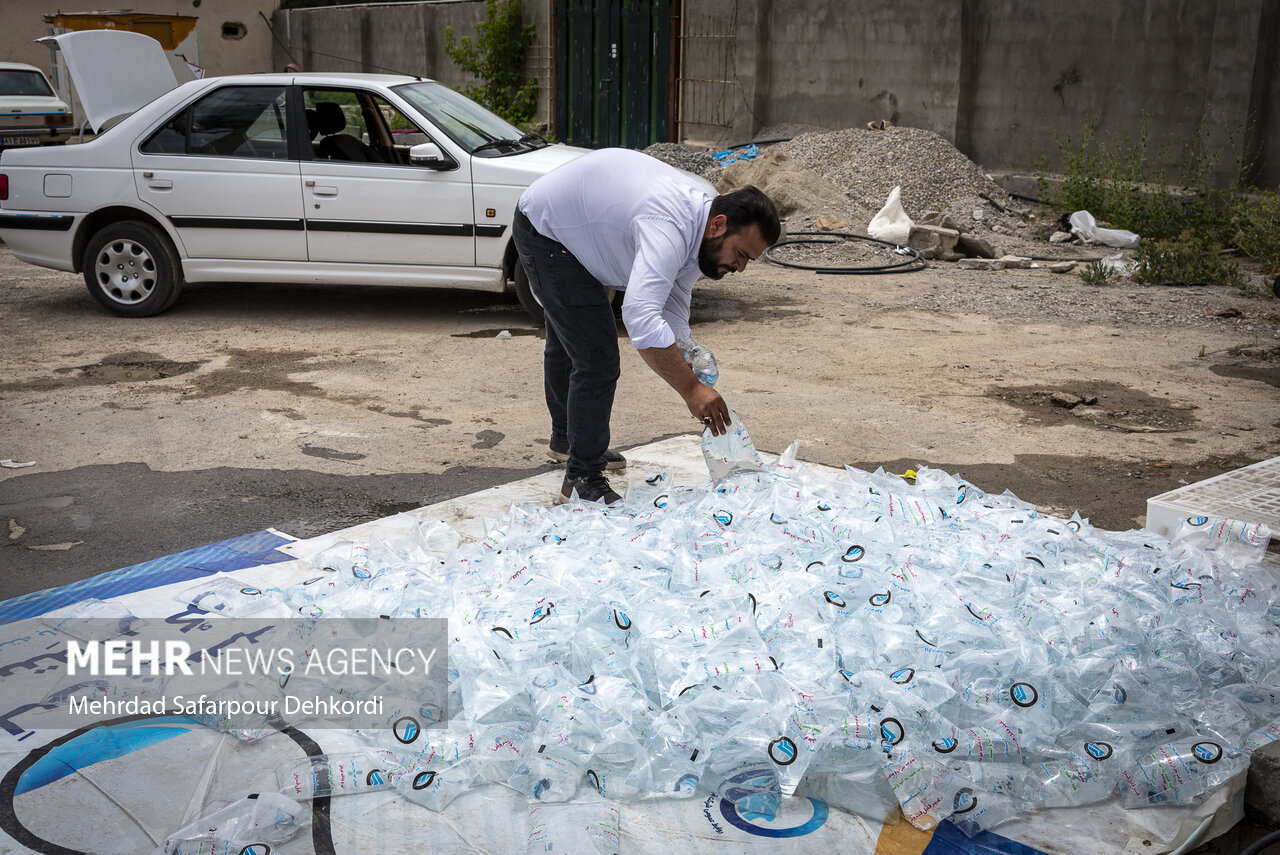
(466, 122)
(19, 82)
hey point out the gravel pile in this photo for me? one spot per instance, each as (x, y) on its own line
(698, 162)
(869, 164)
(852, 171)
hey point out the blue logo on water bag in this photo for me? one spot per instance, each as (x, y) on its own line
(405, 730)
(1024, 694)
(945, 745)
(1207, 752)
(722, 517)
(782, 751)
(892, 731)
(687, 783)
(964, 801)
(879, 600)
(620, 620)
(423, 780)
(853, 553)
(1099, 750)
(834, 599)
(541, 613)
(902, 675)
(374, 778)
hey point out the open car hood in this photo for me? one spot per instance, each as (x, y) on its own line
(114, 72)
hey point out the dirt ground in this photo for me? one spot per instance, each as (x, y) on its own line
(311, 408)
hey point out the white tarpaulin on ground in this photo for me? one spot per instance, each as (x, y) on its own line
(125, 785)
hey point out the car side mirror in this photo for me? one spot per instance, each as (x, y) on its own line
(429, 155)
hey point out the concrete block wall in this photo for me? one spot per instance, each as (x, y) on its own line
(1003, 79)
(403, 37)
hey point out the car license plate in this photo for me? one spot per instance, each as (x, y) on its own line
(5, 142)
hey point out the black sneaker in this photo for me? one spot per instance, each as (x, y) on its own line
(591, 488)
(613, 461)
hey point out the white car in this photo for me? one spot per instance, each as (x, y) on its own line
(325, 178)
(30, 112)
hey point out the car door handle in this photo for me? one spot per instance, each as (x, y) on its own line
(321, 190)
(159, 183)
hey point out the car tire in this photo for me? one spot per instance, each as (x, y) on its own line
(525, 295)
(132, 269)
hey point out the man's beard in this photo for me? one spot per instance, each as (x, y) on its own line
(708, 258)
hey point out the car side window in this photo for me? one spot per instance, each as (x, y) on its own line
(234, 121)
(358, 127)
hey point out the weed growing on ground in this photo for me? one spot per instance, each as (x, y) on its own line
(1124, 183)
(1257, 222)
(1190, 259)
(1097, 273)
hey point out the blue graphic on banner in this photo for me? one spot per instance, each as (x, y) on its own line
(949, 840)
(819, 818)
(237, 553)
(98, 744)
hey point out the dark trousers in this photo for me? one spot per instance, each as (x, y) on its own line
(580, 364)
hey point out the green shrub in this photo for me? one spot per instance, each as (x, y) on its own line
(1190, 259)
(1096, 273)
(1257, 227)
(1124, 182)
(496, 58)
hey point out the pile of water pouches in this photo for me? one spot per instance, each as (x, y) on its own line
(866, 639)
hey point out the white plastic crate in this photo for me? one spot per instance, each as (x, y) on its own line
(1250, 494)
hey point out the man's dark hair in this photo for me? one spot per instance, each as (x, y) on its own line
(746, 207)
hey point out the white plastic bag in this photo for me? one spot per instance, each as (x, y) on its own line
(1118, 264)
(892, 222)
(1085, 227)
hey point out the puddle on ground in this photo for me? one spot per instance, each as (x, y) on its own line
(330, 453)
(131, 367)
(1097, 403)
(1251, 363)
(705, 309)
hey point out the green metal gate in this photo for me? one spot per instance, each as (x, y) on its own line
(613, 72)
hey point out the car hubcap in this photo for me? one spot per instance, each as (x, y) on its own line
(126, 272)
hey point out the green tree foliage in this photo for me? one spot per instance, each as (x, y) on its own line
(496, 58)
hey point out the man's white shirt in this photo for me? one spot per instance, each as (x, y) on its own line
(635, 223)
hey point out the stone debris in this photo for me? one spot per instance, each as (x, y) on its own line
(975, 247)
(1065, 400)
(1061, 237)
(1062, 267)
(980, 264)
(934, 242)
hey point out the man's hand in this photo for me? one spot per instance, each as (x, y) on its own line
(704, 403)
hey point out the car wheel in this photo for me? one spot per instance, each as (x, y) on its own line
(132, 269)
(525, 295)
